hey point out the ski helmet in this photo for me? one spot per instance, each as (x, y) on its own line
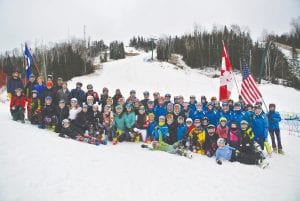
(89, 87)
(65, 121)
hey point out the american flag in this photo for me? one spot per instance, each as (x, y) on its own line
(249, 91)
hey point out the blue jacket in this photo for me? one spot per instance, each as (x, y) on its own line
(228, 115)
(260, 126)
(198, 115)
(225, 152)
(164, 131)
(119, 122)
(213, 117)
(274, 119)
(13, 84)
(160, 111)
(249, 116)
(181, 131)
(238, 116)
(40, 89)
(150, 129)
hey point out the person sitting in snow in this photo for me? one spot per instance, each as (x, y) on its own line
(118, 131)
(34, 105)
(49, 119)
(161, 128)
(17, 105)
(197, 136)
(68, 130)
(211, 140)
(224, 152)
(129, 116)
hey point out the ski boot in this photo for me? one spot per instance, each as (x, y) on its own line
(280, 151)
(137, 139)
(275, 150)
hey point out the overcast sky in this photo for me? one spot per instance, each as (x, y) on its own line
(41, 21)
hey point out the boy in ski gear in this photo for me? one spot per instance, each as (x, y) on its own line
(14, 83)
(182, 130)
(49, 91)
(260, 126)
(49, 119)
(172, 127)
(144, 102)
(223, 129)
(78, 93)
(211, 114)
(91, 92)
(234, 136)
(224, 152)
(34, 104)
(192, 104)
(199, 113)
(29, 86)
(167, 98)
(150, 107)
(238, 114)
(17, 105)
(160, 109)
(40, 87)
(225, 112)
(162, 128)
(274, 130)
(116, 97)
(249, 113)
(64, 93)
(197, 136)
(211, 141)
(141, 123)
(62, 112)
(68, 130)
(151, 126)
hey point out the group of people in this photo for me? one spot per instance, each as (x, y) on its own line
(228, 130)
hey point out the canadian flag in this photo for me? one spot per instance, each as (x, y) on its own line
(226, 78)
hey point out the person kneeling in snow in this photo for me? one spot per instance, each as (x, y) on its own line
(17, 106)
(160, 145)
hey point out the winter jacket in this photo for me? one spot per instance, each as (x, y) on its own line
(249, 117)
(172, 138)
(78, 94)
(181, 131)
(228, 115)
(211, 143)
(129, 119)
(73, 112)
(144, 102)
(62, 113)
(164, 130)
(119, 121)
(234, 138)
(141, 121)
(34, 105)
(71, 131)
(51, 93)
(116, 98)
(212, 116)
(83, 120)
(94, 94)
(224, 152)
(18, 102)
(247, 140)
(48, 111)
(274, 119)
(198, 138)
(238, 116)
(40, 89)
(198, 115)
(108, 118)
(150, 129)
(260, 126)
(160, 111)
(13, 84)
(28, 88)
(222, 131)
(63, 95)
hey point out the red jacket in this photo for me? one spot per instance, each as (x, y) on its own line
(18, 101)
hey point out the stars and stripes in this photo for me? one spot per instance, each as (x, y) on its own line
(250, 93)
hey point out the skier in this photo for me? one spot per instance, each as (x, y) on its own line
(118, 131)
(49, 119)
(211, 140)
(29, 86)
(146, 99)
(17, 105)
(172, 127)
(160, 109)
(223, 129)
(260, 126)
(49, 91)
(91, 92)
(211, 114)
(64, 93)
(274, 130)
(151, 127)
(116, 97)
(197, 136)
(78, 93)
(238, 115)
(224, 152)
(35, 108)
(234, 136)
(62, 112)
(161, 128)
(141, 124)
(40, 88)
(14, 83)
(129, 116)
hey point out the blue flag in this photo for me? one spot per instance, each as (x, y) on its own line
(29, 61)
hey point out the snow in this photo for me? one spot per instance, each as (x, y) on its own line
(38, 165)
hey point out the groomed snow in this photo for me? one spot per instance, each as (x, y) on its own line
(37, 165)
